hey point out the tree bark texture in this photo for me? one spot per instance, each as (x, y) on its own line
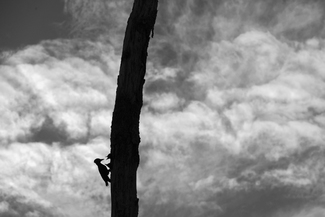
(125, 138)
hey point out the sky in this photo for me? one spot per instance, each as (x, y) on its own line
(233, 120)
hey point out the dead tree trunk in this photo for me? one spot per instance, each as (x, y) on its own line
(125, 138)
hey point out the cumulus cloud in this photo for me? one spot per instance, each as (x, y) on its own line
(36, 175)
(52, 99)
(255, 119)
(56, 94)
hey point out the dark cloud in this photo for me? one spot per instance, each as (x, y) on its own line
(19, 206)
(254, 202)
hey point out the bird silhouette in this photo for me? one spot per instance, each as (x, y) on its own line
(103, 170)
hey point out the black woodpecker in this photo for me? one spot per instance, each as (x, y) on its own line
(104, 172)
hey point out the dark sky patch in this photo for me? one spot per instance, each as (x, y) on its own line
(257, 202)
(24, 22)
(49, 132)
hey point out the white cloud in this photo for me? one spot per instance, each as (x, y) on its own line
(260, 106)
(59, 99)
(53, 177)
(164, 102)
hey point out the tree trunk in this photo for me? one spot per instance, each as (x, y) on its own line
(125, 136)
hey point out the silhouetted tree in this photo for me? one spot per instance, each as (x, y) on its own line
(125, 138)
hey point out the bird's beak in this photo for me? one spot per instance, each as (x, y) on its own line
(98, 160)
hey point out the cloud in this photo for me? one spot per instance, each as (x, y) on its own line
(49, 93)
(308, 212)
(255, 117)
(252, 131)
(300, 20)
(44, 176)
(55, 120)
(98, 19)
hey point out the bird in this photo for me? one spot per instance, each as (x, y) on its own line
(104, 172)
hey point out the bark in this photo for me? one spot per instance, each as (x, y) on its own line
(125, 138)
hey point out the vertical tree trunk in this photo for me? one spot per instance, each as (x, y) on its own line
(125, 137)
